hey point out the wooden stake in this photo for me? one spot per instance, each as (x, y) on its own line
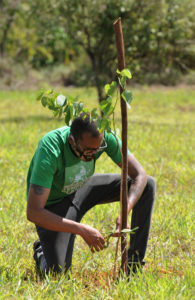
(123, 192)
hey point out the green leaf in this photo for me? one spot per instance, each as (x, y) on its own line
(118, 72)
(68, 116)
(105, 123)
(106, 105)
(54, 96)
(85, 110)
(126, 230)
(80, 107)
(85, 113)
(109, 130)
(60, 113)
(66, 108)
(128, 97)
(55, 113)
(109, 111)
(131, 231)
(135, 228)
(71, 112)
(75, 109)
(94, 113)
(107, 87)
(126, 73)
(52, 108)
(122, 81)
(110, 88)
(40, 94)
(75, 104)
(51, 104)
(44, 101)
(49, 92)
(99, 123)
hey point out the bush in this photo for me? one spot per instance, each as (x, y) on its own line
(159, 38)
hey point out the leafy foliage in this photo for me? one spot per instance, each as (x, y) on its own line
(159, 37)
(71, 108)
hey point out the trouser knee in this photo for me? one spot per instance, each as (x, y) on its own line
(151, 185)
(148, 195)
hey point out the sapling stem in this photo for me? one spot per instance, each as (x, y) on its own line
(123, 193)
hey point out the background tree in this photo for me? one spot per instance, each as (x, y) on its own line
(8, 10)
(159, 37)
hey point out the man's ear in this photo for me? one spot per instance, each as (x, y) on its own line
(70, 139)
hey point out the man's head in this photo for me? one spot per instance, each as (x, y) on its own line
(84, 138)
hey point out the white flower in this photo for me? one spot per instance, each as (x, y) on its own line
(60, 100)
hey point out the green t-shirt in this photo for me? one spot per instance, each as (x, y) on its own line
(55, 166)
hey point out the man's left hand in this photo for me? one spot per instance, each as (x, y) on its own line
(118, 227)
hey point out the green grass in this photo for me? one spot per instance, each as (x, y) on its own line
(161, 136)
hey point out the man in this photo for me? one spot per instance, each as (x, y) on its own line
(61, 188)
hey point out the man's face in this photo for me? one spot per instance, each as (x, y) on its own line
(86, 147)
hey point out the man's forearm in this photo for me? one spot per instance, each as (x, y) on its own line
(51, 221)
(136, 190)
(37, 214)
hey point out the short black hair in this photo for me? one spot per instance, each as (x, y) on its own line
(83, 124)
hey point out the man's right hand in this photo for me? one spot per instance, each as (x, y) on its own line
(92, 237)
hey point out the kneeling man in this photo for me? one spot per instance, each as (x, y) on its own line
(62, 187)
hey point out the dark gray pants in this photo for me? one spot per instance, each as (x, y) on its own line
(100, 188)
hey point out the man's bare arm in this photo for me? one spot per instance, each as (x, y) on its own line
(139, 177)
(37, 214)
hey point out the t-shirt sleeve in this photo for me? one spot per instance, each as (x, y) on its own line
(44, 166)
(113, 144)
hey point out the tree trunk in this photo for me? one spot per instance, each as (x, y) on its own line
(6, 30)
(123, 192)
(98, 85)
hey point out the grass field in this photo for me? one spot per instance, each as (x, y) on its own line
(161, 136)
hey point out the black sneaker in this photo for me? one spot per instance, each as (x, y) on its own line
(37, 251)
(36, 245)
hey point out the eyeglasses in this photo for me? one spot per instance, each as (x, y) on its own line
(89, 150)
(102, 147)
